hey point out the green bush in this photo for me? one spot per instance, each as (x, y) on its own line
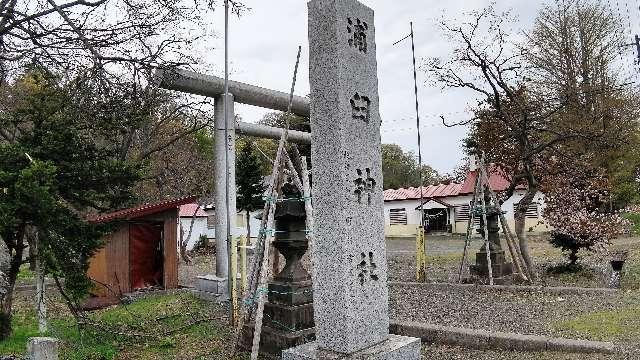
(570, 245)
(202, 244)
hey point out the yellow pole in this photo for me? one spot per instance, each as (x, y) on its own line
(243, 263)
(421, 256)
(233, 270)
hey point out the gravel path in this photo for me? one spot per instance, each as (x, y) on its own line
(518, 312)
(445, 253)
(432, 352)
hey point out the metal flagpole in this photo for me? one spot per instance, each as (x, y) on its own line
(231, 273)
(422, 272)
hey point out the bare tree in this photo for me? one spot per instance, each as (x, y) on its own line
(516, 122)
(111, 49)
(576, 54)
(110, 35)
(105, 53)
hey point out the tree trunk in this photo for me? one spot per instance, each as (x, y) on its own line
(9, 268)
(573, 257)
(183, 247)
(41, 306)
(519, 219)
(248, 227)
(184, 242)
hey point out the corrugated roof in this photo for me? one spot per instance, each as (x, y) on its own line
(431, 191)
(498, 181)
(141, 210)
(187, 210)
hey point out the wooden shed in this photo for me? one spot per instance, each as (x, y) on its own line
(142, 251)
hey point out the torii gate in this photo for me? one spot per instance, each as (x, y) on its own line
(212, 86)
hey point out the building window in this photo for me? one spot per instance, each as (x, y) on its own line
(398, 216)
(211, 221)
(532, 211)
(461, 213)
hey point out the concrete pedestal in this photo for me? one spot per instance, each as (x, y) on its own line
(211, 287)
(396, 347)
(42, 348)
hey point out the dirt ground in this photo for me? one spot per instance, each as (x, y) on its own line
(520, 312)
(445, 254)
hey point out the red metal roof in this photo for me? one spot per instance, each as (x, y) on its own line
(187, 210)
(431, 191)
(141, 210)
(498, 181)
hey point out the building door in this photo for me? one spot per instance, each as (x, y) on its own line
(146, 255)
(436, 220)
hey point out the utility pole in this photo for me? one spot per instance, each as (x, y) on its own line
(637, 44)
(421, 274)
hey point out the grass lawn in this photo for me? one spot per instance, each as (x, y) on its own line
(24, 327)
(620, 325)
(177, 326)
(25, 276)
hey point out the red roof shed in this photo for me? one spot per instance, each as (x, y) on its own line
(141, 252)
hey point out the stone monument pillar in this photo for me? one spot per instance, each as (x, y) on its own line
(349, 257)
(499, 265)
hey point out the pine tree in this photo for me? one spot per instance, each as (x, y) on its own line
(55, 168)
(249, 182)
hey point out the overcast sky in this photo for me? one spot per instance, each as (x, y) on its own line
(263, 45)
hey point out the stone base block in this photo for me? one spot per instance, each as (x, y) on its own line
(296, 293)
(498, 270)
(42, 348)
(497, 257)
(213, 285)
(274, 341)
(396, 347)
(288, 317)
(207, 296)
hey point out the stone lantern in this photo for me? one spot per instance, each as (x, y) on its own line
(617, 263)
(288, 313)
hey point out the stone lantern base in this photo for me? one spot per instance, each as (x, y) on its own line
(501, 269)
(287, 320)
